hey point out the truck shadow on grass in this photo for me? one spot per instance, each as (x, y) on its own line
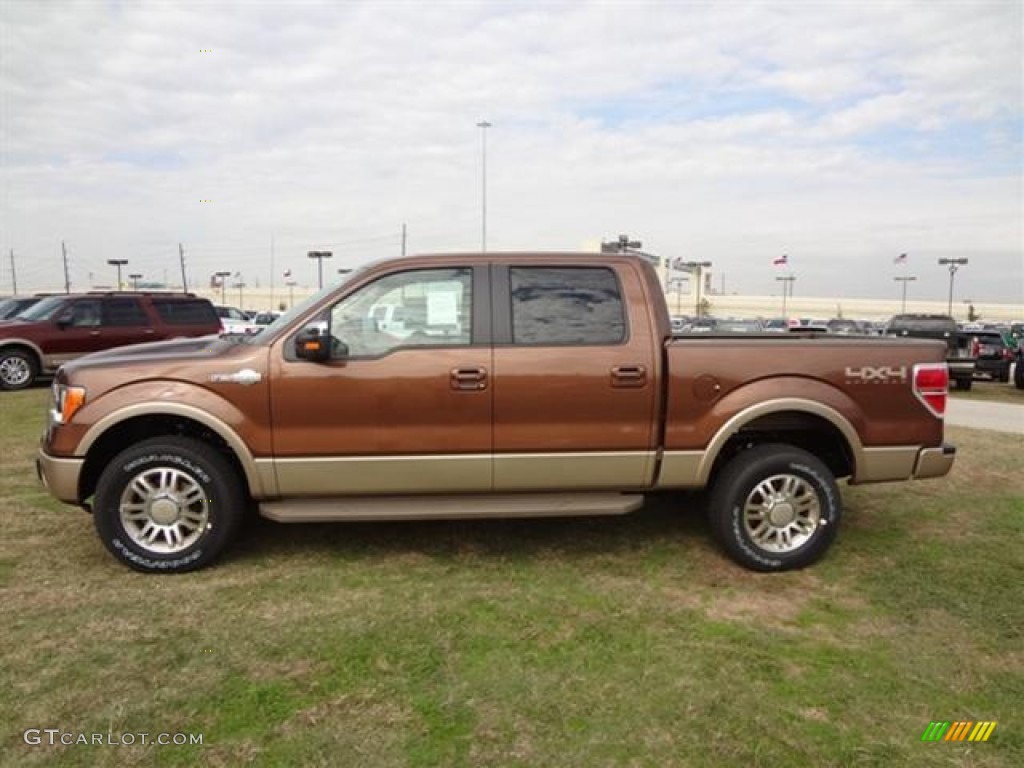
(664, 521)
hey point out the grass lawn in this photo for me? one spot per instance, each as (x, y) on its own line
(585, 642)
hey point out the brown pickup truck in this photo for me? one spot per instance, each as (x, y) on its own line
(487, 385)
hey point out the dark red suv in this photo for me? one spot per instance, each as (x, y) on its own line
(61, 328)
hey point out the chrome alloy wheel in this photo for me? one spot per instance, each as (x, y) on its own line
(15, 371)
(781, 513)
(164, 510)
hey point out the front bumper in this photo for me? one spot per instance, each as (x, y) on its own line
(59, 476)
(935, 462)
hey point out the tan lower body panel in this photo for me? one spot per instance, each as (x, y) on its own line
(450, 507)
(935, 462)
(681, 469)
(879, 465)
(566, 471)
(379, 475)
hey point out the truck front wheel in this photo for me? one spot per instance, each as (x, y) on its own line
(775, 508)
(169, 504)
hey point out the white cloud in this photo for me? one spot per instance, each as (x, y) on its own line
(847, 129)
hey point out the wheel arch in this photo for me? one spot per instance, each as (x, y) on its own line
(812, 426)
(140, 421)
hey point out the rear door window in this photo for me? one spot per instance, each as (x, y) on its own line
(566, 305)
(177, 312)
(124, 312)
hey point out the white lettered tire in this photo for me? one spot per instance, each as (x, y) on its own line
(168, 505)
(775, 508)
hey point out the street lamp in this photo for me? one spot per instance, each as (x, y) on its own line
(223, 284)
(787, 290)
(320, 256)
(483, 125)
(904, 279)
(291, 293)
(134, 277)
(695, 267)
(954, 265)
(117, 263)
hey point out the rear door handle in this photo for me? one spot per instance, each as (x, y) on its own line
(469, 379)
(629, 376)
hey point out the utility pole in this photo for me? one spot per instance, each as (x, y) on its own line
(320, 256)
(67, 279)
(403, 238)
(905, 279)
(223, 282)
(483, 125)
(696, 268)
(184, 280)
(14, 274)
(787, 283)
(271, 273)
(954, 265)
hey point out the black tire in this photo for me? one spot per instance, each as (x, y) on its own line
(18, 369)
(1004, 375)
(964, 384)
(201, 505)
(808, 501)
(1018, 374)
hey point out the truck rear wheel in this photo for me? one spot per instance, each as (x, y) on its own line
(166, 505)
(775, 508)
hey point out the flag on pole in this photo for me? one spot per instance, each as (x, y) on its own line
(287, 273)
(901, 259)
(782, 261)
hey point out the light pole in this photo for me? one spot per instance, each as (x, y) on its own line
(134, 277)
(904, 279)
(787, 283)
(291, 293)
(117, 263)
(240, 285)
(223, 283)
(320, 256)
(483, 125)
(695, 268)
(954, 265)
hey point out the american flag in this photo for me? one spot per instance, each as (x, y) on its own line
(901, 259)
(287, 273)
(781, 261)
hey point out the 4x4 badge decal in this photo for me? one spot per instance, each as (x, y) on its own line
(246, 376)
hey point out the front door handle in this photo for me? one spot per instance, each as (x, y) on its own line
(629, 376)
(469, 379)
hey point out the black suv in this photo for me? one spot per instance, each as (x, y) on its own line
(993, 354)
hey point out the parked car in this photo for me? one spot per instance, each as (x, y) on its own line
(235, 321)
(992, 354)
(739, 325)
(563, 392)
(15, 305)
(943, 328)
(60, 328)
(843, 326)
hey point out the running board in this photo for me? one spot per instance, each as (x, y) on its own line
(449, 507)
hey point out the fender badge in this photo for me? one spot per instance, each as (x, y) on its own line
(246, 376)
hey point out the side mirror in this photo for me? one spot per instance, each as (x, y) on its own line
(64, 320)
(312, 343)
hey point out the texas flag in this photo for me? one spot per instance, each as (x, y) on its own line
(901, 259)
(781, 261)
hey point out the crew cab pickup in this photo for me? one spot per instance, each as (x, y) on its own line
(520, 385)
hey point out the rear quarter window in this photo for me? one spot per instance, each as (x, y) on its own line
(186, 312)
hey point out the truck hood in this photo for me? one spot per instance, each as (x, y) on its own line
(200, 361)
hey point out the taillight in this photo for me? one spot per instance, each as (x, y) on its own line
(931, 386)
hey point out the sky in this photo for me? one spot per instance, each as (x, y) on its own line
(841, 134)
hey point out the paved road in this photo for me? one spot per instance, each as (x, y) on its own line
(1002, 417)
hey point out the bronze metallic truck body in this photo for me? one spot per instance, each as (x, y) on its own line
(515, 384)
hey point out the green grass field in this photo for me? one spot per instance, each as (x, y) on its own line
(585, 642)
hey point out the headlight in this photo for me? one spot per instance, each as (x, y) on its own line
(66, 402)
